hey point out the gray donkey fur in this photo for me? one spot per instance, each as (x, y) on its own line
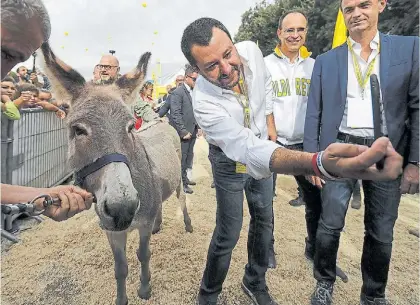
(100, 123)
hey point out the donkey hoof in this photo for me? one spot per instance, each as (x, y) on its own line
(121, 301)
(145, 292)
(156, 230)
(189, 228)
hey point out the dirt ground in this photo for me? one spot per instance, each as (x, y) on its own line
(71, 262)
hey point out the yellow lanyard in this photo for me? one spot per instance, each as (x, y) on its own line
(362, 80)
(244, 100)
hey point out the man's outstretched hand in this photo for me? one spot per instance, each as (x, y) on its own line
(358, 162)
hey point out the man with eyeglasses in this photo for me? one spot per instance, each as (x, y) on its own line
(179, 80)
(183, 120)
(290, 66)
(108, 69)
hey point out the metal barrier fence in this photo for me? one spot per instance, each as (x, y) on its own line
(34, 149)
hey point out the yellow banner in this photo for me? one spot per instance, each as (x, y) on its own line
(340, 32)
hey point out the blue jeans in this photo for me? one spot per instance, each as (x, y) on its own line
(230, 187)
(381, 211)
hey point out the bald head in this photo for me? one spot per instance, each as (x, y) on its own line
(110, 60)
(25, 25)
(108, 68)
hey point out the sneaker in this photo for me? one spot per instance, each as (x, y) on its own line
(298, 201)
(272, 263)
(188, 190)
(201, 300)
(322, 294)
(258, 297)
(380, 301)
(190, 182)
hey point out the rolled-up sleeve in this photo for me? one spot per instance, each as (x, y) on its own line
(237, 142)
(268, 92)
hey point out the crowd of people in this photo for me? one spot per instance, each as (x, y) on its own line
(283, 114)
(28, 90)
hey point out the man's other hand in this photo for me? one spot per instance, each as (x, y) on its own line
(410, 180)
(187, 136)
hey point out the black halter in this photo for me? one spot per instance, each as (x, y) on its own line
(81, 175)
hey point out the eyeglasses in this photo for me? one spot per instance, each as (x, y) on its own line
(193, 78)
(291, 31)
(105, 67)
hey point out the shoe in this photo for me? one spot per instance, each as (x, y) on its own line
(190, 182)
(272, 263)
(202, 301)
(188, 190)
(380, 301)
(322, 294)
(212, 185)
(258, 297)
(298, 201)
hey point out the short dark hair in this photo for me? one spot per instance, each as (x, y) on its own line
(200, 33)
(26, 9)
(25, 87)
(17, 70)
(189, 69)
(8, 79)
(296, 11)
(42, 90)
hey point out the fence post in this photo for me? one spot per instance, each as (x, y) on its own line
(6, 149)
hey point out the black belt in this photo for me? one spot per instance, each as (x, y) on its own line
(211, 146)
(348, 138)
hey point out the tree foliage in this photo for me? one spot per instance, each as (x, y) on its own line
(259, 24)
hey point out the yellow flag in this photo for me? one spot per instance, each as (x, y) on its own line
(340, 32)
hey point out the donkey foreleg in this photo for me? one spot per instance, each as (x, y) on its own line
(117, 241)
(157, 226)
(143, 255)
(183, 202)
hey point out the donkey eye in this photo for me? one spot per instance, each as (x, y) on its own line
(79, 131)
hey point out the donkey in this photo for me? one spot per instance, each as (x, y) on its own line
(131, 173)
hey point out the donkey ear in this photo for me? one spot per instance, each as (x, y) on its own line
(66, 82)
(130, 83)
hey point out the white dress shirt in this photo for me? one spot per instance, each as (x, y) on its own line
(221, 116)
(188, 89)
(354, 90)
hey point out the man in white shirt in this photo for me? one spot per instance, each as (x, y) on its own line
(290, 66)
(340, 110)
(232, 103)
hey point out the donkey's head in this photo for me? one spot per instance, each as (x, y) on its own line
(100, 125)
